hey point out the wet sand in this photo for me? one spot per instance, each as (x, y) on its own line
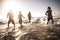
(39, 31)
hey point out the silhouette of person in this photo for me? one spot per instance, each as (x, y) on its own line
(29, 17)
(10, 16)
(20, 18)
(49, 14)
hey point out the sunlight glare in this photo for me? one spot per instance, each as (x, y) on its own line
(15, 6)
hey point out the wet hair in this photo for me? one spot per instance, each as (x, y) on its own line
(49, 7)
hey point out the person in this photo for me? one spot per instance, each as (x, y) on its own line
(49, 14)
(20, 18)
(29, 17)
(10, 16)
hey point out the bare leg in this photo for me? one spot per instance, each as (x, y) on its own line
(13, 24)
(21, 26)
(29, 21)
(8, 25)
(48, 21)
(20, 22)
(52, 21)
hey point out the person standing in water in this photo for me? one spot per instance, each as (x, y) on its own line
(29, 17)
(49, 14)
(10, 16)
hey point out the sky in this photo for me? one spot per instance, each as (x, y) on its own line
(36, 7)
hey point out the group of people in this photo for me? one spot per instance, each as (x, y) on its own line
(10, 16)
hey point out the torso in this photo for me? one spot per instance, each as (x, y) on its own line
(49, 13)
(10, 16)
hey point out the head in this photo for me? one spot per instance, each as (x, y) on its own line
(19, 11)
(10, 11)
(29, 12)
(49, 8)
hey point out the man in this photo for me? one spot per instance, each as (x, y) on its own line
(10, 16)
(49, 14)
(20, 18)
(29, 17)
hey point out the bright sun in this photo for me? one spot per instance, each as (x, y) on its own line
(15, 6)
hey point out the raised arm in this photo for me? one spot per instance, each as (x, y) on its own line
(23, 16)
(46, 13)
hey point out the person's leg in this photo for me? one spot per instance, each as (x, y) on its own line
(8, 24)
(21, 24)
(29, 21)
(13, 23)
(52, 21)
(48, 20)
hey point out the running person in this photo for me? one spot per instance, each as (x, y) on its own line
(29, 17)
(49, 14)
(10, 16)
(20, 18)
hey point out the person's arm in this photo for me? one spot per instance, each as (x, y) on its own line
(46, 13)
(23, 16)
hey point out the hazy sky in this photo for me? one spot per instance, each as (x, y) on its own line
(37, 7)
